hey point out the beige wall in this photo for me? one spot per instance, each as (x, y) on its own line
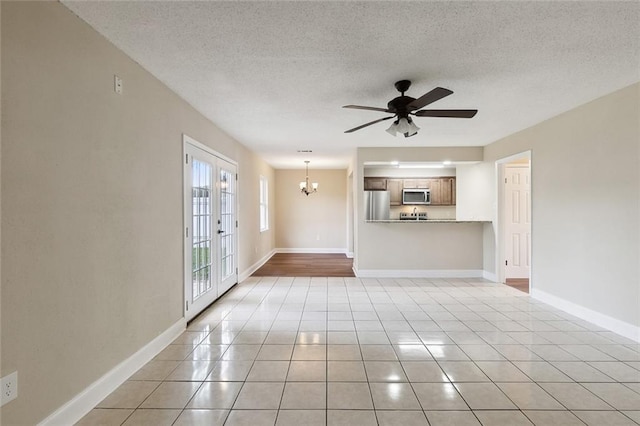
(418, 154)
(475, 200)
(317, 221)
(92, 206)
(420, 247)
(489, 250)
(254, 245)
(585, 175)
(396, 172)
(1, 371)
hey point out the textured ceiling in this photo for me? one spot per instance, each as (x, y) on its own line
(274, 75)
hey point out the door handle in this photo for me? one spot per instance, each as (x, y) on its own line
(220, 231)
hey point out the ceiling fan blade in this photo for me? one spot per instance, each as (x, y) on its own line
(368, 124)
(366, 107)
(452, 113)
(424, 100)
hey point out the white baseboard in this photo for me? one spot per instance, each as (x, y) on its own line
(418, 273)
(622, 328)
(311, 250)
(349, 254)
(85, 401)
(490, 276)
(251, 269)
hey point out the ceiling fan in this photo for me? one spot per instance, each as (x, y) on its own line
(404, 106)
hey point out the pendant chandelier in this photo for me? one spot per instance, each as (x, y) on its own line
(305, 188)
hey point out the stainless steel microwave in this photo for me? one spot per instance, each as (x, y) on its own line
(416, 196)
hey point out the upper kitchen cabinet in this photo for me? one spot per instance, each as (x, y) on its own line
(443, 191)
(394, 186)
(375, 184)
(415, 183)
(434, 187)
(448, 190)
(442, 188)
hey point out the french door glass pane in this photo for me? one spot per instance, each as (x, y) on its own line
(202, 237)
(227, 221)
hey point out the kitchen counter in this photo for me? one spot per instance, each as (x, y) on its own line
(427, 221)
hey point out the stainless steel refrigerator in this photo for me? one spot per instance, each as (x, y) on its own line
(376, 205)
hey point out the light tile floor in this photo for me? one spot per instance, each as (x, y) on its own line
(349, 351)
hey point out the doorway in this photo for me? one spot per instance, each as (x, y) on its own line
(514, 239)
(210, 222)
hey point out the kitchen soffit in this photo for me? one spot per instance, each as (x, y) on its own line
(415, 165)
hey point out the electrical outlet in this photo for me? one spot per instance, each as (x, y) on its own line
(9, 388)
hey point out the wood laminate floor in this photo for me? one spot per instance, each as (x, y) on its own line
(307, 265)
(521, 284)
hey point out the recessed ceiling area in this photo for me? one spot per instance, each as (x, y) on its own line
(275, 75)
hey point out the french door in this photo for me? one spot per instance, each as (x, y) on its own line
(210, 227)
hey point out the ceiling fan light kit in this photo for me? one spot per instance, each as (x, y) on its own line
(406, 126)
(404, 106)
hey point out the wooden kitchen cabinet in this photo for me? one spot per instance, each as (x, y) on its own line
(415, 183)
(375, 184)
(394, 186)
(443, 191)
(448, 191)
(453, 192)
(434, 186)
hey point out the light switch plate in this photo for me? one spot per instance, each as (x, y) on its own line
(117, 84)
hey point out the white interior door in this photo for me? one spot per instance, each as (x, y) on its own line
(210, 228)
(517, 221)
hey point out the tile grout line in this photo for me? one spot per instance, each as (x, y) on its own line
(293, 349)
(222, 354)
(165, 377)
(436, 361)
(231, 343)
(364, 365)
(326, 361)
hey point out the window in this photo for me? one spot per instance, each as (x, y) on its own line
(264, 204)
